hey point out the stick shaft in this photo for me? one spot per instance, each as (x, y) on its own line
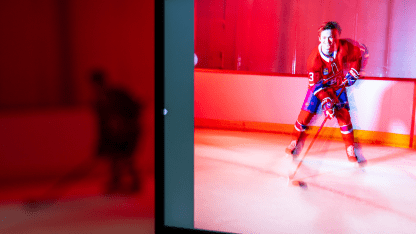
(309, 147)
(313, 141)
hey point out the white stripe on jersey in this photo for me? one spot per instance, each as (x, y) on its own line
(346, 132)
(325, 57)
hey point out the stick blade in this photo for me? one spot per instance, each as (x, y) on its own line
(34, 205)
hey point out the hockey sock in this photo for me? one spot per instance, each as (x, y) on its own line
(298, 131)
(348, 139)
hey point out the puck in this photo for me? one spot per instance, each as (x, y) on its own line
(299, 183)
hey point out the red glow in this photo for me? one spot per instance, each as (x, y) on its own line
(47, 126)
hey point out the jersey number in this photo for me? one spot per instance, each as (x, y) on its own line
(311, 79)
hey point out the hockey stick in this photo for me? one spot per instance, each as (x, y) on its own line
(313, 141)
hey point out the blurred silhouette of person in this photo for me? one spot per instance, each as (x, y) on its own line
(119, 131)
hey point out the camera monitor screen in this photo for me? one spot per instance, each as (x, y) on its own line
(285, 116)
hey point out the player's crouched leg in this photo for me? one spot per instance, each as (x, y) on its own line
(347, 132)
(297, 132)
(299, 135)
(348, 137)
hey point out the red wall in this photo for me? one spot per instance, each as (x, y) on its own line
(49, 48)
(30, 53)
(116, 35)
(278, 35)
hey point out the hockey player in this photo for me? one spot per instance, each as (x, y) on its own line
(326, 65)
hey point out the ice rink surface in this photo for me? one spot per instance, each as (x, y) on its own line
(241, 186)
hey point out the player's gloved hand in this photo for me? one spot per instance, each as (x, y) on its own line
(328, 107)
(351, 77)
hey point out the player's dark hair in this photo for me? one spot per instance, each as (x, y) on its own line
(98, 77)
(329, 25)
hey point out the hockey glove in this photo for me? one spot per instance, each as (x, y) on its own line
(351, 77)
(328, 107)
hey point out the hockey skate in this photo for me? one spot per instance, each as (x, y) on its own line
(352, 157)
(291, 148)
(294, 148)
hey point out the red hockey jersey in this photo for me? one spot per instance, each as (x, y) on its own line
(325, 71)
